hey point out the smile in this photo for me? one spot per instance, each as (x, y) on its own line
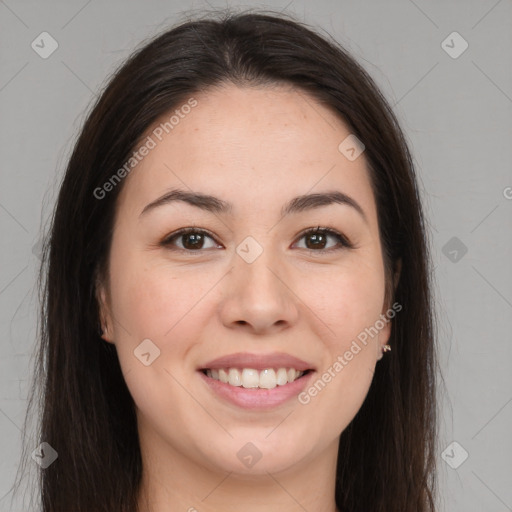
(250, 378)
(256, 381)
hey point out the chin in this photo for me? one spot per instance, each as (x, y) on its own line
(258, 454)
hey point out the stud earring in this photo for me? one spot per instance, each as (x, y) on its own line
(386, 348)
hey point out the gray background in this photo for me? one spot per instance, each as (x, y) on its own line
(456, 113)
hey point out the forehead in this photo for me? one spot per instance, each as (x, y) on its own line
(253, 146)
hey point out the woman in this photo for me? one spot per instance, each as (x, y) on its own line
(237, 242)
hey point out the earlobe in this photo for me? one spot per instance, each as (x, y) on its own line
(385, 333)
(105, 332)
(398, 272)
(105, 336)
(103, 312)
(383, 339)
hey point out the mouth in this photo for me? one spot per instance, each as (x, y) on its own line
(253, 381)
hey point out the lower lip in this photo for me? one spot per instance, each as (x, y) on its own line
(257, 398)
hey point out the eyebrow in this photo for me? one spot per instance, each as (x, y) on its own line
(215, 205)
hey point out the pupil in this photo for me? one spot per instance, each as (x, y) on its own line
(316, 239)
(196, 240)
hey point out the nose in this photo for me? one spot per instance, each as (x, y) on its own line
(259, 296)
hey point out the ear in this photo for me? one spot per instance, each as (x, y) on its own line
(388, 312)
(384, 334)
(105, 316)
(398, 272)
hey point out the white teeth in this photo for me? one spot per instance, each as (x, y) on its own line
(251, 378)
(235, 378)
(268, 379)
(282, 377)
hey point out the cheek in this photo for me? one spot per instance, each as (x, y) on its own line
(152, 303)
(346, 300)
(349, 302)
(153, 299)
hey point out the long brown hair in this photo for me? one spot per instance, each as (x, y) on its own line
(387, 453)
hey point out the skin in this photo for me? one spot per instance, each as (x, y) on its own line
(256, 148)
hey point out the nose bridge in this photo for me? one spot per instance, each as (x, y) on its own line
(257, 293)
(256, 265)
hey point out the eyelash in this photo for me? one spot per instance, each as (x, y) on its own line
(342, 240)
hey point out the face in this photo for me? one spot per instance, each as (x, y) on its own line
(252, 294)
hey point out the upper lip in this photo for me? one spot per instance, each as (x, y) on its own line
(258, 361)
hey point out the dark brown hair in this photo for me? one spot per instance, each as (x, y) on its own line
(387, 453)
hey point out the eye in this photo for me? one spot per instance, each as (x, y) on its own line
(317, 239)
(193, 239)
